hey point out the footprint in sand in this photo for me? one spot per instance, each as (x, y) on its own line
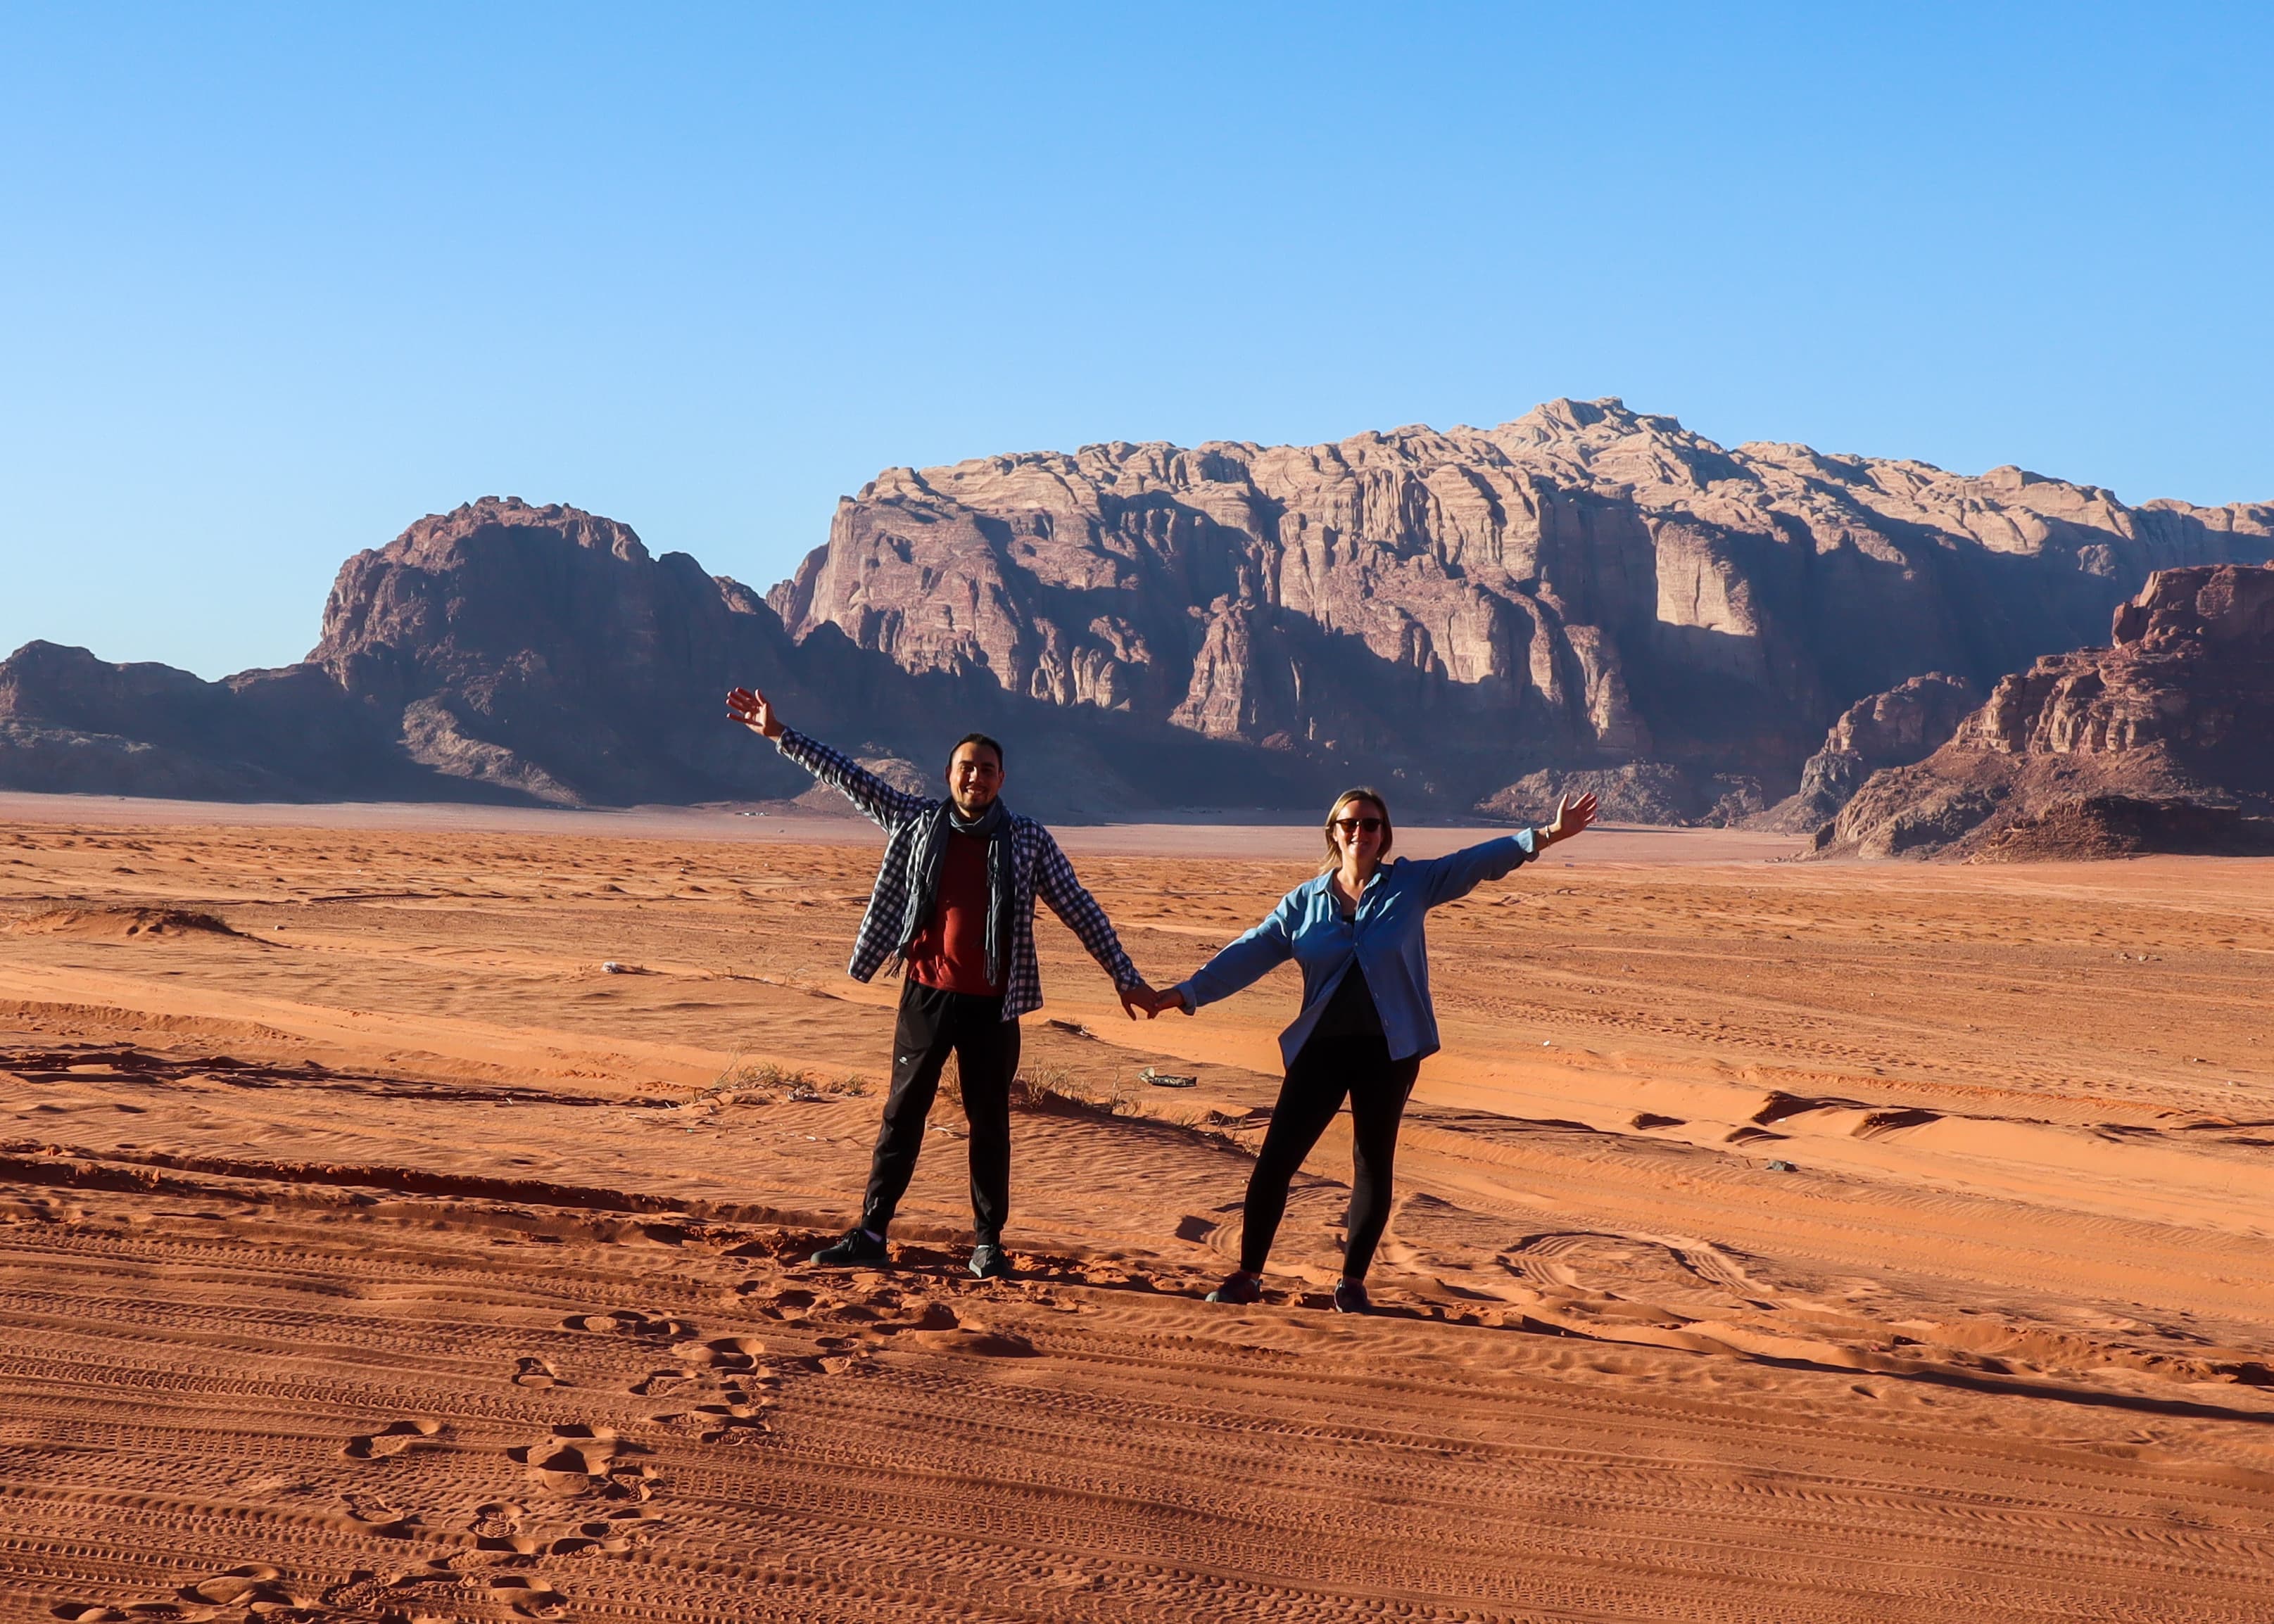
(255, 1586)
(497, 1520)
(529, 1596)
(243, 1587)
(531, 1371)
(401, 1595)
(793, 1305)
(628, 1322)
(740, 1417)
(577, 1459)
(394, 1596)
(392, 1440)
(382, 1519)
(666, 1383)
(723, 1353)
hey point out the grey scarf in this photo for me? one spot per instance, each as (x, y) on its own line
(930, 850)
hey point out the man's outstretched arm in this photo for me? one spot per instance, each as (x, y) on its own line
(1055, 882)
(875, 799)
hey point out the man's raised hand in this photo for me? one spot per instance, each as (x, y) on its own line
(749, 708)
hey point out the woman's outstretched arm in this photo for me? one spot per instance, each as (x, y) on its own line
(1457, 874)
(1241, 963)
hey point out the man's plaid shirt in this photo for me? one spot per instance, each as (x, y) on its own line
(1037, 869)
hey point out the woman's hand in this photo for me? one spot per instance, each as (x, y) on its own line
(1166, 998)
(1571, 817)
(749, 708)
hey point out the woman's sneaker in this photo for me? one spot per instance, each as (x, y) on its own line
(1351, 1299)
(1239, 1286)
(855, 1247)
(989, 1263)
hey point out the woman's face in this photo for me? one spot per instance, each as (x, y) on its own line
(1360, 827)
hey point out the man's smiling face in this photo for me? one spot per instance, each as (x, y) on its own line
(974, 777)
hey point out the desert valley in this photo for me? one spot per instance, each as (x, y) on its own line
(1775, 1240)
(590, 598)
(418, 1135)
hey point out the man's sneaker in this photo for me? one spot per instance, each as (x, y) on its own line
(1351, 1299)
(855, 1247)
(1239, 1286)
(989, 1263)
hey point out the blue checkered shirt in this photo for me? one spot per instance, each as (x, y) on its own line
(1038, 868)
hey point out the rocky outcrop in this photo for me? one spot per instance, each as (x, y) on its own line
(2178, 712)
(70, 722)
(1906, 724)
(509, 652)
(1585, 596)
(1639, 793)
(1581, 588)
(2092, 827)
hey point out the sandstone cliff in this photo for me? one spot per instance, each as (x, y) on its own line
(511, 652)
(1585, 587)
(1586, 596)
(1906, 724)
(2176, 716)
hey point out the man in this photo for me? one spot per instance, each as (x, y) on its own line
(954, 906)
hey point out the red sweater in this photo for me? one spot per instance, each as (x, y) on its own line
(950, 953)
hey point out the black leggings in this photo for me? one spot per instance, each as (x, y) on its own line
(1326, 1069)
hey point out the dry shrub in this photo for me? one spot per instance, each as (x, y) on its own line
(1056, 1093)
(762, 1082)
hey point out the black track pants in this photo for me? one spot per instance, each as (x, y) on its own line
(1326, 1072)
(986, 1047)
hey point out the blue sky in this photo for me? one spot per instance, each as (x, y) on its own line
(280, 279)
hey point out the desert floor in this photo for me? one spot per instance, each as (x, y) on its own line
(1777, 1242)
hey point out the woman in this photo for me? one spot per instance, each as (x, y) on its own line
(1366, 1023)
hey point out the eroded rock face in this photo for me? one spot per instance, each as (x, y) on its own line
(2179, 708)
(499, 652)
(511, 652)
(1639, 793)
(542, 652)
(1477, 614)
(71, 723)
(1906, 724)
(1584, 587)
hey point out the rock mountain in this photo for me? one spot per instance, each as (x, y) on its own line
(1463, 615)
(2162, 739)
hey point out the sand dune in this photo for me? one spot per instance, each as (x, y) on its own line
(1775, 1243)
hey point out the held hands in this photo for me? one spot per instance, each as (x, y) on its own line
(1572, 816)
(1144, 997)
(749, 708)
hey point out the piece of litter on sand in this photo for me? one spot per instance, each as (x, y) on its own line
(1782, 1167)
(609, 966)
(1547, 1042)
(1166, 1080)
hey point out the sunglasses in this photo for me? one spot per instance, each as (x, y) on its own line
(1358, 825)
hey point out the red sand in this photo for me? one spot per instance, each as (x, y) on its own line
(381, 1257)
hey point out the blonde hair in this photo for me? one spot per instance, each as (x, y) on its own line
(1362, 793)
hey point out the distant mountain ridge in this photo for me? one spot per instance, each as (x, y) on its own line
(1583, 589)
(1584, 586)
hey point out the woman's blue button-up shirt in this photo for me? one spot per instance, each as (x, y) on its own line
(1385, 939)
